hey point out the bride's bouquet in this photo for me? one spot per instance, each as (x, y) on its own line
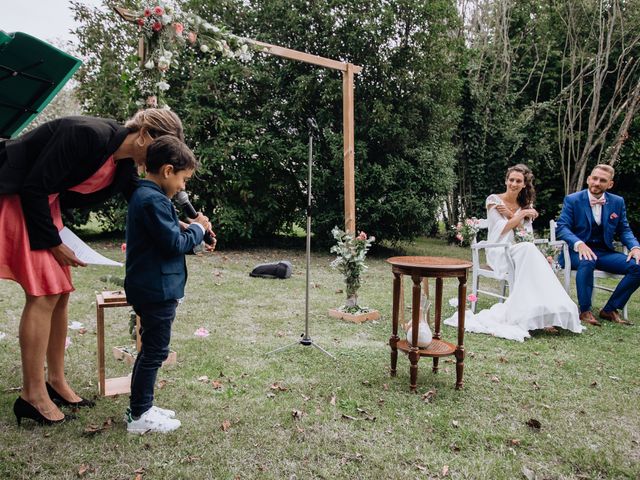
(521, 234)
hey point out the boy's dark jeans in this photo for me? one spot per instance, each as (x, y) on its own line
(155, 334)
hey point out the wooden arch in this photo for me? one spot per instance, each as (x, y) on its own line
(348, 72)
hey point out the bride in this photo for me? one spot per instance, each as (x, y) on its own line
(536, 298)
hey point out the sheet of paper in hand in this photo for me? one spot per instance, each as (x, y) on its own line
(83, 251)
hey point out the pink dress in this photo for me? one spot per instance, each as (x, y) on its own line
(37, 271)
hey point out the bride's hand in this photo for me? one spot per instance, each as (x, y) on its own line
(531, 213)
(504, 211)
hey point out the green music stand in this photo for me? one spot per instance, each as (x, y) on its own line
(32, 72)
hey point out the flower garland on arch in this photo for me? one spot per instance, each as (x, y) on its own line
(165, 31)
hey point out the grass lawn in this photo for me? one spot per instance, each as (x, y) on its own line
(300, 414)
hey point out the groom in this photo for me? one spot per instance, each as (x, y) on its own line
(588, 222)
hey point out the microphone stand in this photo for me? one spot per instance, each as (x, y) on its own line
(305, 338)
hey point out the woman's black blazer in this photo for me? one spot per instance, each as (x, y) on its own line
(56, 156)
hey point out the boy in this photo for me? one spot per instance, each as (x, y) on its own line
(156, 272)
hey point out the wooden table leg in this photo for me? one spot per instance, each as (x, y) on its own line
(437, 318)
(100, 334)
(462, 294)
(414, 356)
(393, 340)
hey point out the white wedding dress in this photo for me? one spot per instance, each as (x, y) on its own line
(536, 299)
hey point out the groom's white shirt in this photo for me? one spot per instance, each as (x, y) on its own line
(596, 210)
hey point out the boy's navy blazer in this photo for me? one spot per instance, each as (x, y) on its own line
(156, 246)
(576, 220)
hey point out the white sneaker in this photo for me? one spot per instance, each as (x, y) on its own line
(162, 411)
(151, 421)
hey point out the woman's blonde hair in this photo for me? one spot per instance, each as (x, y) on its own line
(157, 121)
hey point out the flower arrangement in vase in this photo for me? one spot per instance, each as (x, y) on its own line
(351, 251)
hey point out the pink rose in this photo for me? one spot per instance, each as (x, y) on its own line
(362, 236)
(158, 10)
(123, 247)
(140, 22)
(191, 36)
(152, 101)
(472, 298)
(157, 26)
(179, 28)
(459, 237)
(147, 12)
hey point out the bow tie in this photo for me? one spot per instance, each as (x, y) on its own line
(597, 201)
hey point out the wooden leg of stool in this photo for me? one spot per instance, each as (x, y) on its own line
(393, 340)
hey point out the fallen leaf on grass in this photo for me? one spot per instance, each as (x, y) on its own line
(348, 417)
(297, 414)
(93, 429)
(333, 400)
(139, 471)
(280, 334)
(385, 386)
(138, 476)
(162, 384)
(422, 468)
(339, 291)
(536, 386)
(217, 385)
(514, 442)
(534, 424)
(82, 331)
(495, 379)
(203, 379)
(84, 469)
(445, 471)
(594, 384)
(454, 447)
(455, 423)
(305, 398)
(271, 395)
(429, 396)
(278, 387)
(529, 474)
(613, 377)
(503, 359)
(366, 383)
(226, 424)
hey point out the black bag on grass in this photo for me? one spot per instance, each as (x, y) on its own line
(280, 269)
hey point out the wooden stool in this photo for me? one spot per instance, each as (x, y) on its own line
(111, 386)
(428, 267)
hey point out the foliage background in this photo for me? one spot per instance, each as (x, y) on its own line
(451, 94)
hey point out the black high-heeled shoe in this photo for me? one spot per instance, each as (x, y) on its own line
(61, 401)
(23, 409)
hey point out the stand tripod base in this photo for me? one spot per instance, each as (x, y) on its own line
(305, 341)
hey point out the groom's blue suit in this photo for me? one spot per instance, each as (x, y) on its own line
(576, 223)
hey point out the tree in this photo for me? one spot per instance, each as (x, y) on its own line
(247, 124)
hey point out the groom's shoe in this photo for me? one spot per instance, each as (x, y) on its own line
(587, 317)
(614, 316)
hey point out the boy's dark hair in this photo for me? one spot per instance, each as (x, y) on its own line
(167, 149)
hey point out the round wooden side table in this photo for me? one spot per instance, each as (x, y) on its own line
(428, 267)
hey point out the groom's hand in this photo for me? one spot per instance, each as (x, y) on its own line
(585, 253)
(635, 254)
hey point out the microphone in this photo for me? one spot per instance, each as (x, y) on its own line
(182, 199)
(311, 123)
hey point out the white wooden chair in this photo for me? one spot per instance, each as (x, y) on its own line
(505, 280)
(568, 273)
